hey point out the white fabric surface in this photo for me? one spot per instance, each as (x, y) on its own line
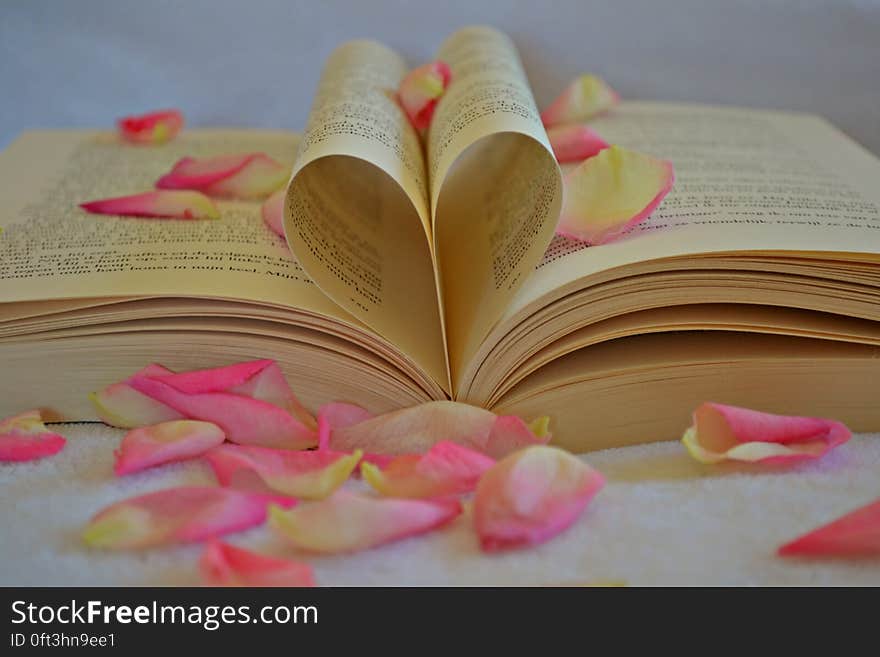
(662, 519)
(256, 63)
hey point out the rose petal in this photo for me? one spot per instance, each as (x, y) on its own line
(178, 515)
(153, 128)
(163, 443)
(510, 433)
(575, 142)
(416, 429)
(120, 405)
(259, 379)
(306, 474)
(532, 495)
(273, 212)
(160, 204)
(611, 192)
(244, 176)
(346, 522)
(721, 433)
(857, 534)
(222, 564)
(584, 98)
(24, 437)
(420, 91)
(243, 419)
(338, 415)
(446, 469)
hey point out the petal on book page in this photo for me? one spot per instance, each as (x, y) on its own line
(586, 97)
(160, 204)
(446, 469)
(120, 405)
(312, 474)
(416, 429)
(857, 534)
(222, 564)
(259, 379)
(244, 176)
(243, 419)
(575, 142)
(611, 192)
(178, 515)
(721, 433)
(24, 437)
(163, 443)
(531, 496)
(420, 90)
(347, 522)
(153, 128)
(273, 212)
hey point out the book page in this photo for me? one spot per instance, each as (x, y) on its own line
(50, 249)
(357, 213)
(496, 189)
(746, 181)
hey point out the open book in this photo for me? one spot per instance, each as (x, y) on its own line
(416, 273)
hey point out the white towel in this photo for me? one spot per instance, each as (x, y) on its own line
(663, 519)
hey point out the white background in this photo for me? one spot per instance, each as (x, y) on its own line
(256, 63)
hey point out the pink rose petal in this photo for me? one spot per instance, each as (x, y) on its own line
(446, 469)
(304, 474)
(259, 379)
(416, 429)
(178, 515)
(510, 433)
(222, 564)
(153, 128)
(420, 91)
(120, 405)
(586, 97)
(531, 496)
(243, 176)
(721, 433)
(164, 443)
(160, 204)
(857, 534)
(610, 192)
(273, 212)
(243, 419)
(346, 522)
(24, 437)
(575, 142)
(338, 415)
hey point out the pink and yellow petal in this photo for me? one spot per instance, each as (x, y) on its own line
(420, 91)
(243, 419)
(120, 405)
(530, 496)
(242, 176)
(166, 442)
(446, 469)
(720, 433)
(611, 192)
(856, 534)
(575, 142)
(160, 204)
(302, 474)
(153, 128)
(178, 515)
(584, 98)
(222, 564)
(346, 522)
(24, 437)
(272, 212)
